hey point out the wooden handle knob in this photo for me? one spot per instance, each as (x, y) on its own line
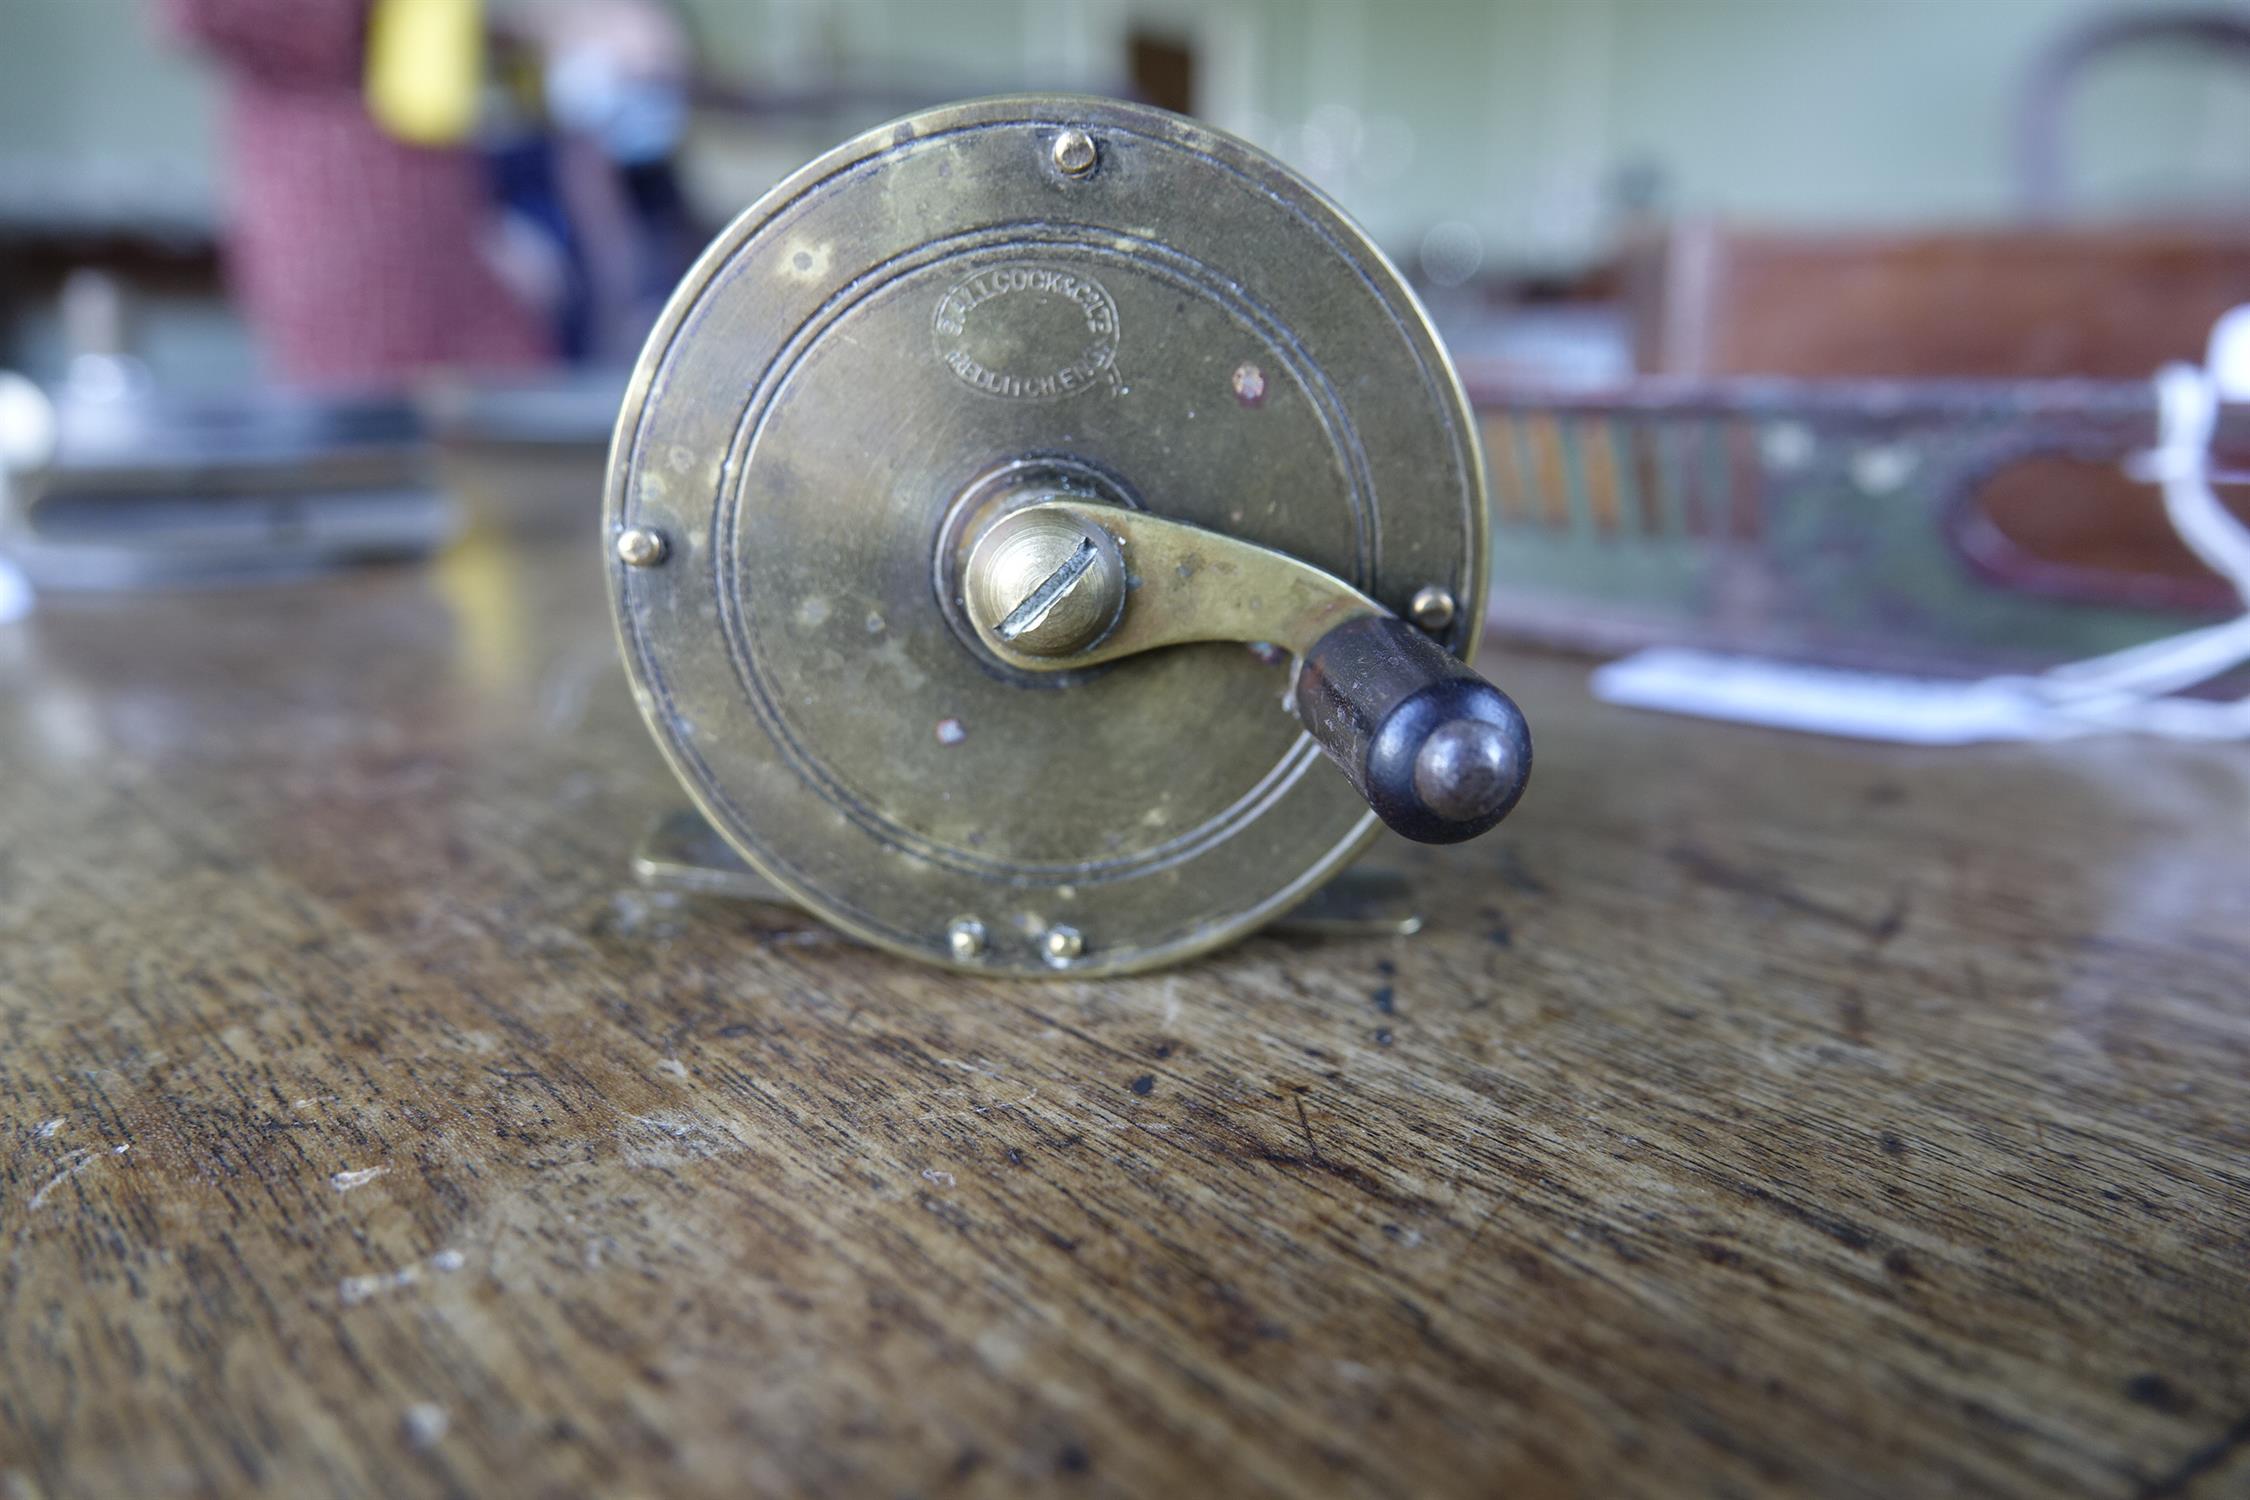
(1439, 753)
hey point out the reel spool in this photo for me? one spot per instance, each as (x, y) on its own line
(1011, 508)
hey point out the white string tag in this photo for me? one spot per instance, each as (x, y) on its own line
(2127, 691)
(1823, 700)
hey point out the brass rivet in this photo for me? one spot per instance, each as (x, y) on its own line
(641, 547)
(1075, 154)
(1432, 608)
(965, 938)
(1063, 944)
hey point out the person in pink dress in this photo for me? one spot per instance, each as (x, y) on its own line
(358, 260)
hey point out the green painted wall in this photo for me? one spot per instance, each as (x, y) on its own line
(1511, 117)
(96, 114)
(1517, 117)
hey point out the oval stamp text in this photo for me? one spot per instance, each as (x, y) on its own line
(1028, 332)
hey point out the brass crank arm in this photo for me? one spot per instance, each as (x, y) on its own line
(1439, 753)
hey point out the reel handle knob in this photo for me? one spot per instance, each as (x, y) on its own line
(1439, 753)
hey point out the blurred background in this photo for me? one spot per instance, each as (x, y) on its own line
(1500, 144)
(1820, 324)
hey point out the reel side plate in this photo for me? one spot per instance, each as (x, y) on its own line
(934, 323)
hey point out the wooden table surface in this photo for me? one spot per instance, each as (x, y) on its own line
(1758, 1115)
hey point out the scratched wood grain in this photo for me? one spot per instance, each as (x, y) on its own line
(1759, 1116)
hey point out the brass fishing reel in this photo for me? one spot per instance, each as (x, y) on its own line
(1013, 506)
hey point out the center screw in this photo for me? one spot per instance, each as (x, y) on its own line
(1044, 585)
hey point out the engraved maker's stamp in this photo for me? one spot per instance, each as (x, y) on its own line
(1028, 332)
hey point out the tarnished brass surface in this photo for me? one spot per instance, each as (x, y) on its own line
(1188, 584)
(681, 853)
(948, 317)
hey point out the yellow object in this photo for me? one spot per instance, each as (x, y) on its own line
(425, 68)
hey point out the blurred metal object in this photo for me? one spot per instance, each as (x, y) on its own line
(681, 852)
(1008, 453)
(146, 490)
(97, 330)
(1833, 520)
(566, 410)
(523, 454)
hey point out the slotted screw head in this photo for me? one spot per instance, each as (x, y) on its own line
(1042, 584)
